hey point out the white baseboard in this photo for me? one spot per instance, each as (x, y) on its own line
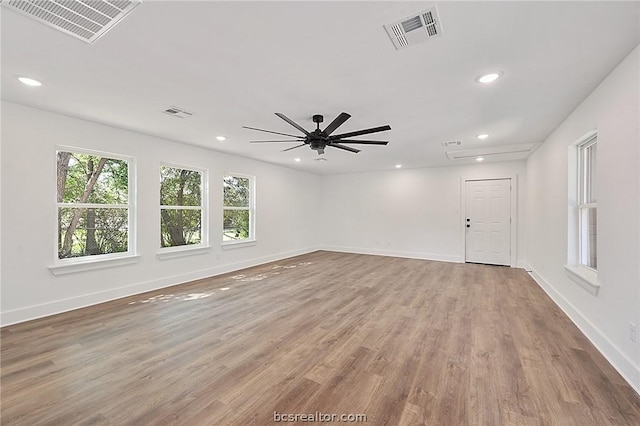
(65, 305)
(625, 366)
(391, 253)
(523, 265)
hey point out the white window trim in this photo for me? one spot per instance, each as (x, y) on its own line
(87, 263)
(191, 249)
(582, 188)
(182, 251)
(252, 213)
(229, 245)
(585, 277)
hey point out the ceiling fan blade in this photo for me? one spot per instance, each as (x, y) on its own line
(293, 123)
(361, 132)
(346, 148)
(361, 142)
(337, 122)
(289, 141)
(269, 131)
(293, 147)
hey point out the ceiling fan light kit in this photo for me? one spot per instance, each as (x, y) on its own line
(319, 139)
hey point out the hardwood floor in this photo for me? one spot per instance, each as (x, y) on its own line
(404, 342)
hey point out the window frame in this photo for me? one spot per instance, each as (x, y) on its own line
(584, 186)
(84, 263)
(252, 211)
(581, 274)
(189, 249)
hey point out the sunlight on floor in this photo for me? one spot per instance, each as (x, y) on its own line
(262, 276)
(168, 297)
(161, 298)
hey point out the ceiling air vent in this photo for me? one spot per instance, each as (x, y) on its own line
(451, 143)
(414, 29)
(178, 112)
(87, 20)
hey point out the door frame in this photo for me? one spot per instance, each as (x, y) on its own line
(514, 214)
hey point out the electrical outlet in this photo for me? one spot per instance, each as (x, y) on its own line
(633, 332)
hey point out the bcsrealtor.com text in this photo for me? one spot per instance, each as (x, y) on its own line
(319, 417)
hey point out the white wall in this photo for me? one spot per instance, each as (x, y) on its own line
(613, 109)
(408, 212)
(287, 200)
(412, 213)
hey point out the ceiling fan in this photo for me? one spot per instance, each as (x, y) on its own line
(318, 139)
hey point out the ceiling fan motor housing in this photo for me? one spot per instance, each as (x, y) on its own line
(317, 145)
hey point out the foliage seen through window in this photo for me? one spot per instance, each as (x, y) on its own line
(93, 210)
(237, 211)
(181, 207)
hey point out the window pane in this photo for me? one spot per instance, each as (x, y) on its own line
(235, 225)
(589, 237)
(590, 173)
(180, 187)
(88, 232)
(180, 227)
(83, 178)
(236, 191)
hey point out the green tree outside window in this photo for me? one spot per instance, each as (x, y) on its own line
(237, 211)
(181, 206)
(93, 205)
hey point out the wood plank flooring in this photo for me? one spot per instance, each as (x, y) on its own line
(402, 341)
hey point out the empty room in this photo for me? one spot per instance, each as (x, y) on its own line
(320, 212)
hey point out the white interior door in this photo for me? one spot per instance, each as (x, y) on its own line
(488, 221)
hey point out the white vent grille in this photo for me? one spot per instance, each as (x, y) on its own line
(178, 112)
(451, 143)
(87, 20)
(414, 29)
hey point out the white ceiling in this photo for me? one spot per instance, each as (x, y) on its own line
(237, 63)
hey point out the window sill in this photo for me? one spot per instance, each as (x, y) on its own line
(174, 252)
(584, 277)
(65, 267)
(228, 245)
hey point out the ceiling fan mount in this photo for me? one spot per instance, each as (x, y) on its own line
(319, 139)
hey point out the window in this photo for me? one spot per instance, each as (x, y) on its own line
(587, 205)
(94, 205)
(182, 211)
(238, 208)
(582, 226)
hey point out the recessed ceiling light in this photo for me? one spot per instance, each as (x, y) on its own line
(221, 138)
(398, 166)
(297, 160)
(489, 78)
(29, 81)
(480, 159)
(482, 136)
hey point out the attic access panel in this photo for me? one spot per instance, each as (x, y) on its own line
(87, 20)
